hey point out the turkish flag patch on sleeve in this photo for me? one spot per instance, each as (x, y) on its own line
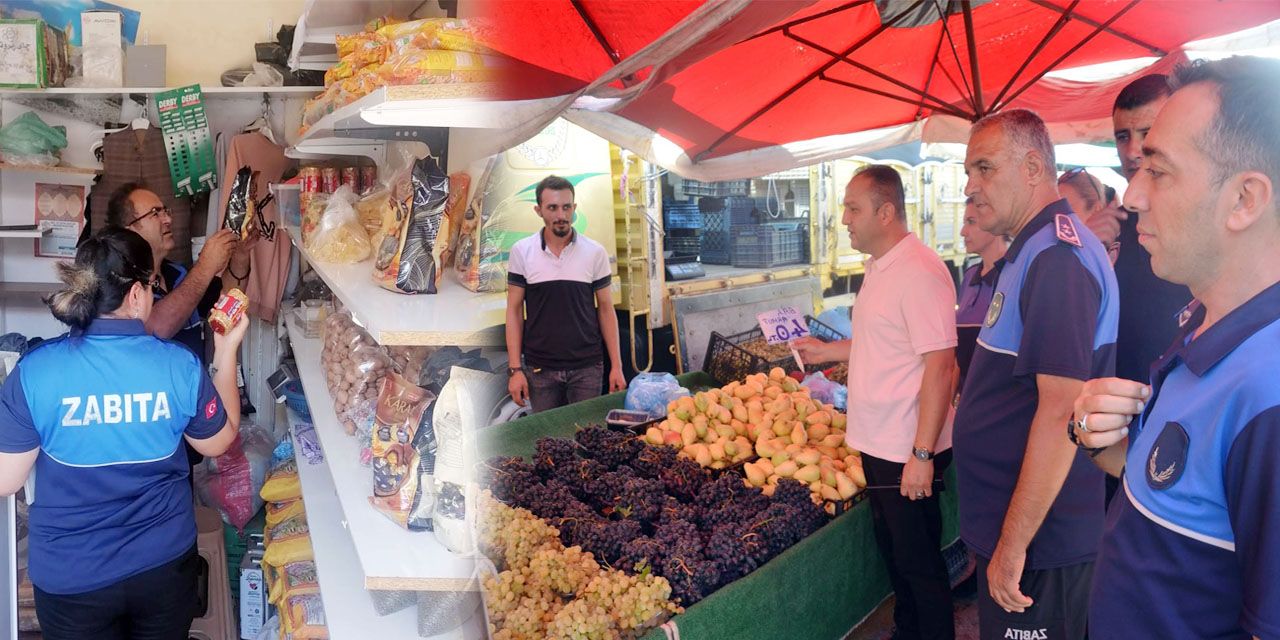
(211, 409)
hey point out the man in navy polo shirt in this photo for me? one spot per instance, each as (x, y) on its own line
(1030, 504)
(560, 309)
(1191, 548)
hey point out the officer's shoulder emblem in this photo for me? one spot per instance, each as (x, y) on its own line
(1066, 230)
(1168, 457)
(993, 311)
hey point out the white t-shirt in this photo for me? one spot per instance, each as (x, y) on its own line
(905, 309)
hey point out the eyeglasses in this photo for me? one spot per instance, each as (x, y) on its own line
(1071, 174)
(151, 212)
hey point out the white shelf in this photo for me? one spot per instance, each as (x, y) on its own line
(35, 233)
(348, 607)
(464, 106)
(111, 91)
(454, 316)
(29, 288)
(388, 556)
(35, 168)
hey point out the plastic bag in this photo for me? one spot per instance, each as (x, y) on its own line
(461, 411)
(395, 460)
(264, 75)
(650, 393)
(282, 483)
(838, 319)
(29, 140)
(479, 261)
(288, 542)
(313, 206)
(373, 208)
(454, 212)
(436, 369)
(340, 237)
(424, 504)
(354, 365)
(230, 482)
(437, 66)
(820, 388)
(405, 261)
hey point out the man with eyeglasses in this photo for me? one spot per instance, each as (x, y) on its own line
(183, 296)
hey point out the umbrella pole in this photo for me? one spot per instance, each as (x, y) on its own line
(980, 108)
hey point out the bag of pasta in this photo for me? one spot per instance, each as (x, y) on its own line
(480, 261)
(340, 236)
(405, 261)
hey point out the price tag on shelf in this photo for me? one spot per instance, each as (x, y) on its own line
(782, 325)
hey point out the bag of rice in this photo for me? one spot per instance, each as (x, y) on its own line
(288, 542)
(282, 483)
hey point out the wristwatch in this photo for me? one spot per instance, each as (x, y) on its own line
(1071, 435)
(922, 454)
(511, 371)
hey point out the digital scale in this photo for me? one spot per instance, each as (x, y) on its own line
(684, 268)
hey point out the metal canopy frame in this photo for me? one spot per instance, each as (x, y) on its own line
(923, 98)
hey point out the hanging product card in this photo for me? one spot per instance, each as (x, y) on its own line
(782, 325)
(60, 212)
(187, 140)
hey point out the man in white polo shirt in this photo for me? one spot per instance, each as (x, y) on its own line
(901, 366)
(559, 309)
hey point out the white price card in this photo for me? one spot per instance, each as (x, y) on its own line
(782, 325)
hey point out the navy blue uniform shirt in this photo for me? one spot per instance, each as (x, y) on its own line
(1193, 541)
(1054, 313)
(1148, 307)
(976, 289)
(108, 409)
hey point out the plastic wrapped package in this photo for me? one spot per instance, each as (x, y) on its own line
(368, 47)
(454, 212)
(28, 140)
(439, 365)
(650, 393)
(395, 460)
(313, 206)
(408, 361)
(460, 412)
(405, 260)
(437, 66)
(479, 262)
(353, 365)
(278, 512)
(424, 503)
(288, 542)
(282, 482)
(297, 578)
(386, 603)
(304, 616)
(230, 482)
(372, 208)
(339, 237)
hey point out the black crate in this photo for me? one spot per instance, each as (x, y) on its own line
(822, 330)
(725, 361)
(690, 245)
(716, 248)
(681, 215)
(770, 245)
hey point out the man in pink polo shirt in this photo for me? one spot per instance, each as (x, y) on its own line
(901, 368)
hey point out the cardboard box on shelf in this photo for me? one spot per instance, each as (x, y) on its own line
(33, 55)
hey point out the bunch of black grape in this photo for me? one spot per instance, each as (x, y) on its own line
(644, 510)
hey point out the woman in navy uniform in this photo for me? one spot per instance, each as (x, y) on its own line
(101, 414)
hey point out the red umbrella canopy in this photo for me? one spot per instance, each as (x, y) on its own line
(566, 44)
(841, 66)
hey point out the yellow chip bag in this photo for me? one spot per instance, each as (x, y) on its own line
(295, 579)
(305, 614)
(282, 483)
(278, 512)
(290, 542)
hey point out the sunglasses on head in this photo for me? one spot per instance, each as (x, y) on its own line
(1072, 174)
(151, 212)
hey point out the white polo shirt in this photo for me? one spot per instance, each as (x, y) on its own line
(905, 309)
(561, 326)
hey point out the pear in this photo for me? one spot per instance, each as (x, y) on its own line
(653, 435)
(817, 431)
(799, 435)
(768, 489)
(856, 474)
(808, 457)
(765, 465)
(833, 440)
(755, 475)
(787, 469)
(765, 448)
(689, 434)
(726, 432)
(672, 438)
(845, 486)
(809, 474)
(780, 458)
(716, 449)
(781, 428)
(829, 477)
(839, 420)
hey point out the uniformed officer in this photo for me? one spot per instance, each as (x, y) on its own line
(977, 286)
(1030, 506)
(101, 413)
(1191, 542)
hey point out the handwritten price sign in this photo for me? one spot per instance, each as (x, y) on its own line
(782, 325)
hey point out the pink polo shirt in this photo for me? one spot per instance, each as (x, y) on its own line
(905, 309)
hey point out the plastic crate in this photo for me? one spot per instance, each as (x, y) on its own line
(717, 189)
(770, 245)
(726, 361)
(681, 215)
(690, 245)
(823, 331)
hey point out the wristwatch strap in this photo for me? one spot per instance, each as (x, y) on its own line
(1071, 435)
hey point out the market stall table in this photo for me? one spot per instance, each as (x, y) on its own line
(820, 588)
